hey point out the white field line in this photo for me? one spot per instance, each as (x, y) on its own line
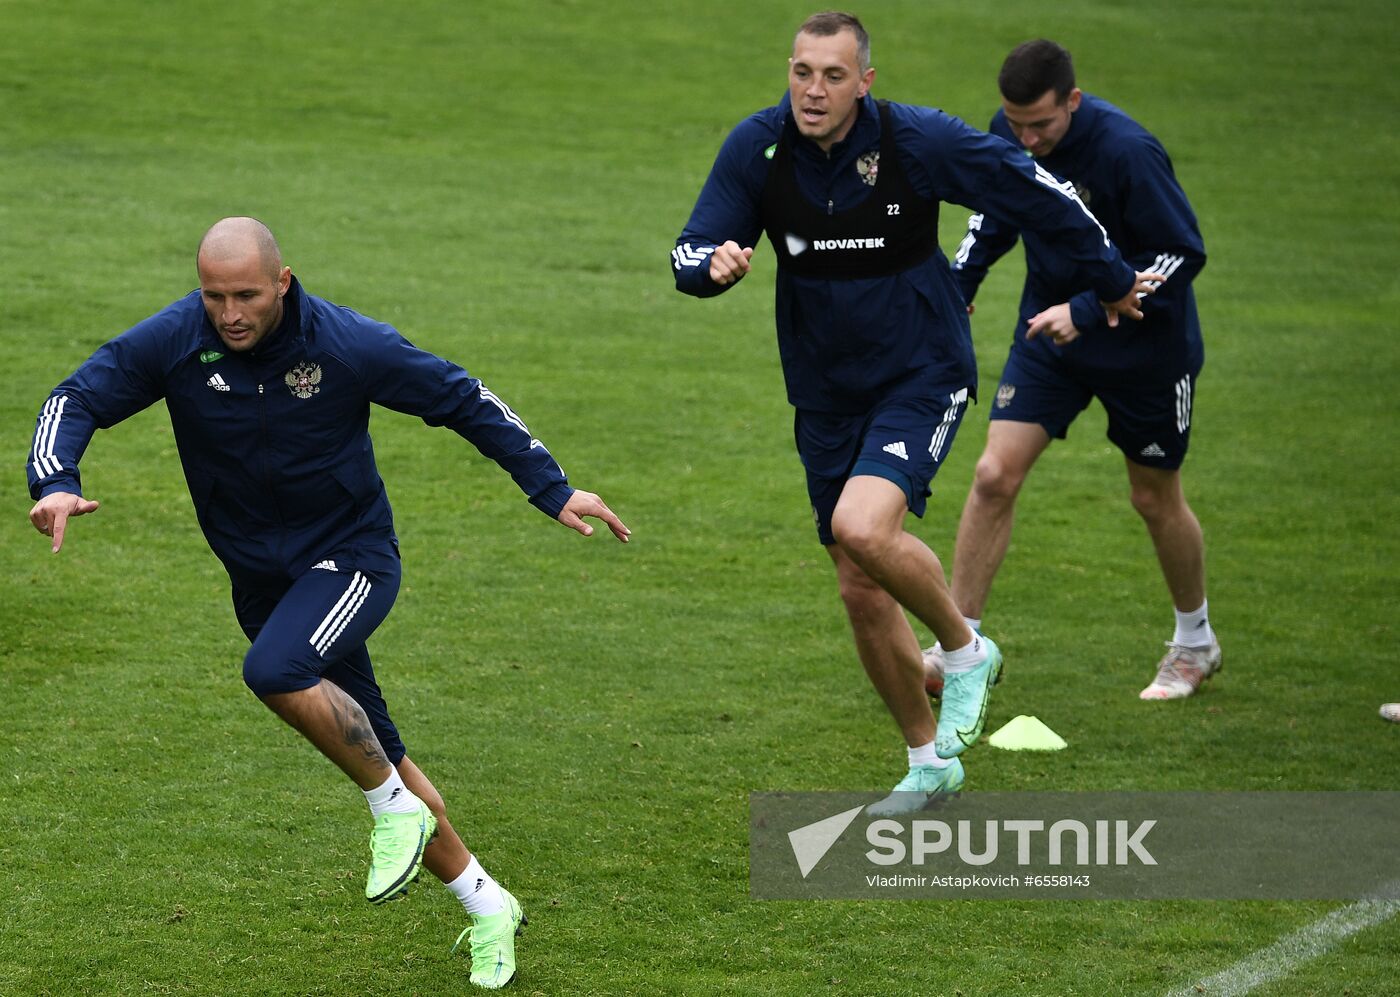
(1291, 951)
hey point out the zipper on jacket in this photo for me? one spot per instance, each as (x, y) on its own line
(271, 492)
(829, 205)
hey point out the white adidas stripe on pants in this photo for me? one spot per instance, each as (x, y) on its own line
(341, 614)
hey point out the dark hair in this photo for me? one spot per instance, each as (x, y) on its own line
(833, 22)
(1033, 68)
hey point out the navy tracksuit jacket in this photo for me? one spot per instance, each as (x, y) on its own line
(275, 442)
(1125, 177)
(845, 344)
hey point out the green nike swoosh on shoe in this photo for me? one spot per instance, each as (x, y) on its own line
(493, 944)
(396, 852)
(963, 711)
(922, 787)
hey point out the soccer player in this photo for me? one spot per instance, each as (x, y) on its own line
(1064, 353)
(875, 344)
(269, 393)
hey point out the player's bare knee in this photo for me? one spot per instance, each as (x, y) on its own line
(860, 594)
(1155, 505)
(859, 535)
(848, 530)
(996, 480)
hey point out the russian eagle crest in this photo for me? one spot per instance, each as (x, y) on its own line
(302, 380)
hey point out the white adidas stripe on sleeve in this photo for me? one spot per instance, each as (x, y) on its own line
(685, 255)
(46, 437)
(1067, 189)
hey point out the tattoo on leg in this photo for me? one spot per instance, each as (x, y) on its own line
(353, 724)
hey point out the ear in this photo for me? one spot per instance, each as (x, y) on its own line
(1073, 99)
(284, 281)
(866, 80)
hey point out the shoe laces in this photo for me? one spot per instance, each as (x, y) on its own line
(388, 835)
(911, 783)
(477, 947)
(486, 945)
(1180, 660)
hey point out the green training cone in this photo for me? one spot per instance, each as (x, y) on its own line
(1027, 734)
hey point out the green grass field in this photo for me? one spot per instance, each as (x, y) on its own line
(504, 184)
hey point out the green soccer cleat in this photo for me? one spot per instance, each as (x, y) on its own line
(396, 852)
(933, 671)
(963, 711)
(493, 944)
(922, 787)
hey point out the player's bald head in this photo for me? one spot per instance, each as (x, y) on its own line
(242, 281)
(236, 239)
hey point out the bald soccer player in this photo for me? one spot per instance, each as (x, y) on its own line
(269, 391)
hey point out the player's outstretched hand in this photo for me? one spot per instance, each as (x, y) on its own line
(1056, 322)
(729, 262)
(50, 514)
(1144, 284)
(582, 504)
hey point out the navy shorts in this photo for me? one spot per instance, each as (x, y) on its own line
(1149, 412)
(314, 627)
(904, 440)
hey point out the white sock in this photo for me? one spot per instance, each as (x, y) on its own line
(391, 798)
(1193, 629)
(925, 755)
(973, 623)
(479, 893)
(964, 659)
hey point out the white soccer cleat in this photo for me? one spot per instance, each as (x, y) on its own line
(1183, 671)
(1391, 712)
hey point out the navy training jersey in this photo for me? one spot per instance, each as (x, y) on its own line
(845, 343)
(892, 230)
(275, 441)
(1125, 177)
